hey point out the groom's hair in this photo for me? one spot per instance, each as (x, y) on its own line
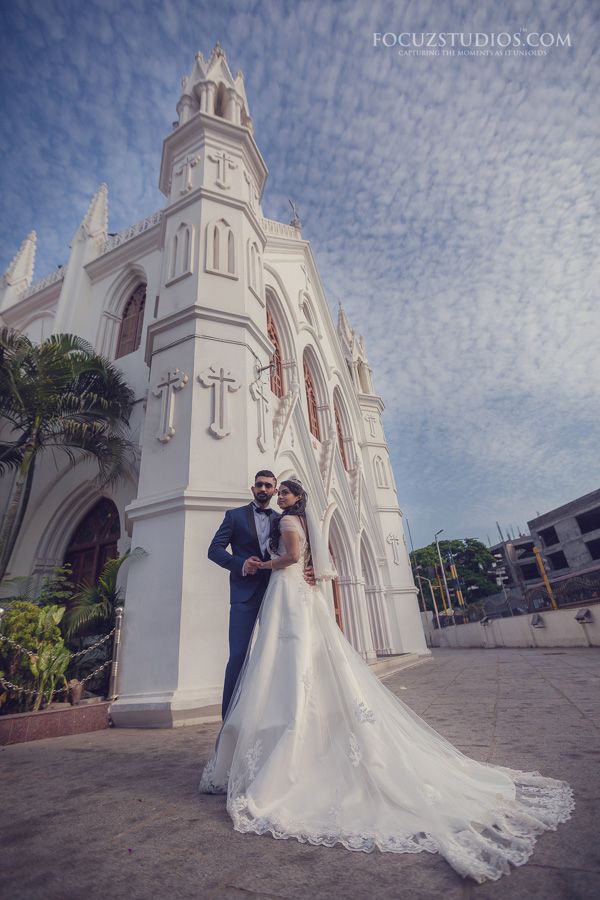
(265, 473)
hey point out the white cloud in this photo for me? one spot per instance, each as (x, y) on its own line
(452, 204)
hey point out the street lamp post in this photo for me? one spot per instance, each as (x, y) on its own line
(435, 537)
(421, 591)
(499, 571)
(435, 606)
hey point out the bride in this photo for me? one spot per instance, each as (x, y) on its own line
(314, 747)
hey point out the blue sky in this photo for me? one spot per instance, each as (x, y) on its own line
(451, 202)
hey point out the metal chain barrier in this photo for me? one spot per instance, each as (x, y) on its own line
(20, 690)
(31, 653)
(113, 661)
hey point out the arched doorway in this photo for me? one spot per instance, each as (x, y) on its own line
(339, 549)
(375, 598)
(93, 542)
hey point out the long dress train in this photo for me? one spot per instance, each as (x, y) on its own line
(314, 747)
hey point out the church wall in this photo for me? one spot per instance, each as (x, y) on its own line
(205, 328)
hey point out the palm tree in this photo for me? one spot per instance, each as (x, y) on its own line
(57, 394)
(94, 605)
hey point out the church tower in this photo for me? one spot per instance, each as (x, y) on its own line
(205, 421)
(404, 621)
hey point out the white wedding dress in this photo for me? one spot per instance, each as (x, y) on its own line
(314, 747)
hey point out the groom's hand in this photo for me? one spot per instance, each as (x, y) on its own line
(251, 566)
(309, 575)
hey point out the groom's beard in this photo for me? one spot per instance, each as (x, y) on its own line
(262, 497)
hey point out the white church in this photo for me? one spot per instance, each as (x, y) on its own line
(218, 320)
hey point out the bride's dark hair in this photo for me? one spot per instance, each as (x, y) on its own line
(298, 509)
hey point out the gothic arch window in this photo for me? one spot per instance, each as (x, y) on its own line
(220, 101)
(221, 254)
(130, 333)
(340, 436)
(381, 479)
(277, 369)
(215, 255)
(186, 256)
(344, 431)
(364, 378)
(93, 542)
(181, 252)
(351, 372)
(311, 400)
(174, 256)
(255, 269)
(230, 253)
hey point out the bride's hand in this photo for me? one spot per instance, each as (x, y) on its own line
(309, 575)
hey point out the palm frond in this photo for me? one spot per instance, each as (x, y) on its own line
(97, 602)
(11, 457)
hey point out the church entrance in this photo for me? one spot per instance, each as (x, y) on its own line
(93, 542)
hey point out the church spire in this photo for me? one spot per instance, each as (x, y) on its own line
(210, 88)
(19, 273)
(344, 328)
(95, 221)
(353, 346)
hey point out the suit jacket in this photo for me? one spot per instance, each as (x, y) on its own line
(238, 530)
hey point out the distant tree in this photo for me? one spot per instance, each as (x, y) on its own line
(472, 559)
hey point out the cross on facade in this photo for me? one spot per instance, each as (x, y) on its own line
(371, 419)
(165, 389)
(224, 162)
(260, 396)
(223, 383)
(393, 540)
(186, 167)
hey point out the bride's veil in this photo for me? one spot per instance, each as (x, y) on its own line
(319, 551)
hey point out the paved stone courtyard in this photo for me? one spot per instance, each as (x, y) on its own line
(116, 814)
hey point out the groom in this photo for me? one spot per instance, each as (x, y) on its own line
(247, 530)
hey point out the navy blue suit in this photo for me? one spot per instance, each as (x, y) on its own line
(238, 530)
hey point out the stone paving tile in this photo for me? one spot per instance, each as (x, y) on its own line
(119, 809)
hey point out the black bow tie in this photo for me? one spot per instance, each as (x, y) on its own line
(264, 512)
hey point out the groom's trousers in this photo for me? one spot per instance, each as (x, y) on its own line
(242, 617)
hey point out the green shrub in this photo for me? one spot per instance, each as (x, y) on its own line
(35, 629)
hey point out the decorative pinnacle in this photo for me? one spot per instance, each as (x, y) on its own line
(96, 218)
(217, 51)
(295, 223)
(20, 268)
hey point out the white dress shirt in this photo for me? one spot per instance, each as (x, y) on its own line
(263, 530)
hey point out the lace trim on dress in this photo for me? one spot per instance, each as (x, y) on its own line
(362, 711)
(208, 785)
(354, 752)
(482, 853)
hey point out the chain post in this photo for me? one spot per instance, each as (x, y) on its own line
(114, 670)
